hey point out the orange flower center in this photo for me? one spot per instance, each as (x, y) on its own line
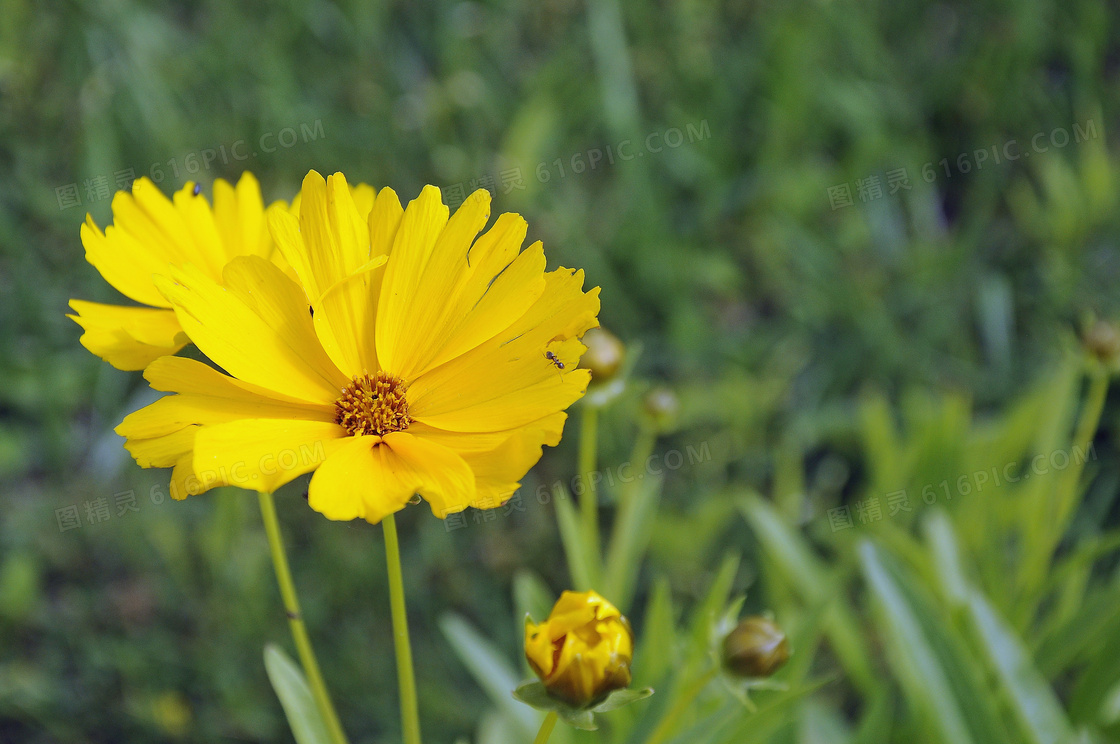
(374, 404)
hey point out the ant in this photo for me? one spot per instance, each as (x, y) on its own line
(554, 359)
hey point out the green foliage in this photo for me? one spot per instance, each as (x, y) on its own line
(291, 687)
(823, 358)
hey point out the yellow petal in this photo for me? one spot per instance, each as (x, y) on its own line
(163, 434)
(175, 412)
(482, 294)
(129, 338)
(207, 250)
(239, 215)
(345, 319)
(335, 240)
(330, 252)
(359, 481)
(384, 219)
(257, 328)
(182, 475)
(263, 454)
(148, 217)
(377, 476)
(510, 381)
(465, 294)
(491, 293)
(124, 262)
(161, 452)
(538, 648)
(498, 459)
(421, 312)
(415, 239)
(182, 375)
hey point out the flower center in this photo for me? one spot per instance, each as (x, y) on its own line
(374, 404)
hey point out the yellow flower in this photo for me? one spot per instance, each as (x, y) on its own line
(421, 366)
(151, 232)
(582, 651)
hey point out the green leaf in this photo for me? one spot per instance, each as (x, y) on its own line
(658, 647)
(619, 698)
(1096, 681)
(946, 557)
(935, 668)
(536, 696)
(579, 555)
(580, 719)
(1032, 699)
(295, 697)
(629, 541)
(814, 584)
(488, 667)
(705, 617)
(875, 726)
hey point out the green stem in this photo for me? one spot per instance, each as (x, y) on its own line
(667, 724)
(1086, 427)
(1087, 424)
(406, 678)
(547, 725)
(623, 553)
(295, 621)
(589, 499)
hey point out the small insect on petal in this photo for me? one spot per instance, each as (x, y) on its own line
(197, 189)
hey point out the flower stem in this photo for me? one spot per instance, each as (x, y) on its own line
(295, 621)
(589, 499)
(665, 727)
(547, 725)
(406, 679)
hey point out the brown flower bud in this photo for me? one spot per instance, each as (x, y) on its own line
(755, 648)
(1102, 340)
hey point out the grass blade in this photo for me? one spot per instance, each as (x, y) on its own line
(295, 697)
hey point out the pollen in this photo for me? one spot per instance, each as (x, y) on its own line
(373, 404)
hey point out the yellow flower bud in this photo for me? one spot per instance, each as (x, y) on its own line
(582, 651)
(755, 648)
(604, 355)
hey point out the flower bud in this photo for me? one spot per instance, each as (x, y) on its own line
(604, 355)
(662, 407)
(582, 651)
(755, 648)
(1102, 340)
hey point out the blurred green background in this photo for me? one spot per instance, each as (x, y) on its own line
(858, 239)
